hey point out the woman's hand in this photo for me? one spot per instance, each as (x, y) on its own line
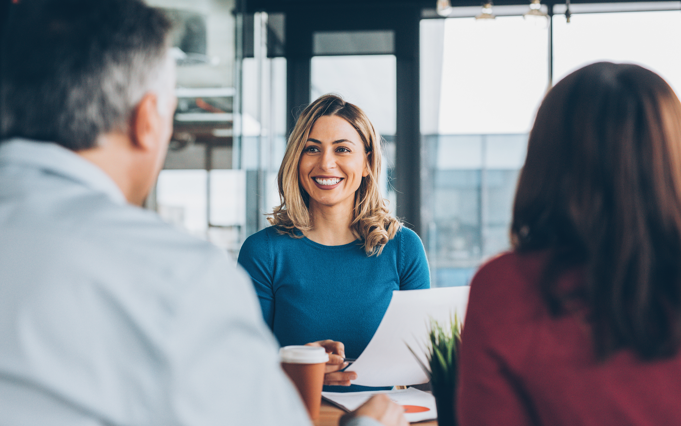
(381, 408)
(332, 375)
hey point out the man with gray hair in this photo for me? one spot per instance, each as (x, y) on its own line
(107, 314)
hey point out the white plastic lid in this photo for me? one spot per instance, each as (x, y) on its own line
(303, 354)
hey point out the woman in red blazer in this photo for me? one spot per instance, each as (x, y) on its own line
(580, 324)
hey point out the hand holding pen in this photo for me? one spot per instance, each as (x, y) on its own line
(333, 375)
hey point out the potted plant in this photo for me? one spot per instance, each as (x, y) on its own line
(442, 350)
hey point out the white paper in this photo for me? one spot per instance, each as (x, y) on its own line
(387, 361)
(350, 401)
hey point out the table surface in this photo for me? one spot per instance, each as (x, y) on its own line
(329, 415)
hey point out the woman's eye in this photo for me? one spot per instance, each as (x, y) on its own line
(342, 149)
(311, 149)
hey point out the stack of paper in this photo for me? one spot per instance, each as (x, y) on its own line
(419, 405)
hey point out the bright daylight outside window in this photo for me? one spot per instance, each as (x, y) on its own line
(481, 83)
(651, 39)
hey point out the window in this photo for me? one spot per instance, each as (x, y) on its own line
(583, 41)
(197, 178)
(481, 83)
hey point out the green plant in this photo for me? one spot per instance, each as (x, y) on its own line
(442, 351)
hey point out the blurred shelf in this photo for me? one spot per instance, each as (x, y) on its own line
(205, 92)
(204, 117)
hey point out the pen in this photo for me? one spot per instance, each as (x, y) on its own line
(349, 360)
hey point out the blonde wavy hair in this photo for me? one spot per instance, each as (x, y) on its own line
(372, 222)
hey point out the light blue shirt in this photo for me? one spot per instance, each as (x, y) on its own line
(110, 316)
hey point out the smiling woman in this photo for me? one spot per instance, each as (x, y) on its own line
(327, 267)
(332, 126)
(330, 171)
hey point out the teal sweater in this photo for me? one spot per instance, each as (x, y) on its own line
(311, 292)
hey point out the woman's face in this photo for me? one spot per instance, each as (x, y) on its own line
(332, 164)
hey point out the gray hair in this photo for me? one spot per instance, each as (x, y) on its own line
(73, 70)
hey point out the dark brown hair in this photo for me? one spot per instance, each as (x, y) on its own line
(601, 189)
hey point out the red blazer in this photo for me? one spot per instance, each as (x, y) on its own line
(520, 366)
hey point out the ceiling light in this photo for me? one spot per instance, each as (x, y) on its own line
(535, 15)
(486, 13)
(444, 7)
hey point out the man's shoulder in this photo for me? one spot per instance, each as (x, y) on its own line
(145, 237)
(126, 224)
(115, 235)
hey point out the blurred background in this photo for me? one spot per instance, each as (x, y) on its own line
(452, 87)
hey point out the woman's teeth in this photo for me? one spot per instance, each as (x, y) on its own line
(327, 182)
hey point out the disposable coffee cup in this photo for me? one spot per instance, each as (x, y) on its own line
(305, 366)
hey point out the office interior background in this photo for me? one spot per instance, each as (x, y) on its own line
(453, 97)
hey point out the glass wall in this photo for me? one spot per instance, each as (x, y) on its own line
(198, 190)
(263, 136)
(219, 178)
(481, 82)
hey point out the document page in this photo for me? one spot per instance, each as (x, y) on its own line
(387, 361)
(418, 405)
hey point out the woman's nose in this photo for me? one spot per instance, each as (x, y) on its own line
(328, 160)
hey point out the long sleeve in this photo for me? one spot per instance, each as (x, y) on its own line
(155, 343)
(257, 259)
(413, 264)
(488, 393)
(224, 362)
